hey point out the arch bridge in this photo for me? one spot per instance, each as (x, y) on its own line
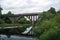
(31, 16)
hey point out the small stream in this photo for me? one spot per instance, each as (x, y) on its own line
(13, 37)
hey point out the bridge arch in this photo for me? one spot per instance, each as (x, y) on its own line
(31, 17)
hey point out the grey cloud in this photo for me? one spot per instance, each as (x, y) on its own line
(23, 6)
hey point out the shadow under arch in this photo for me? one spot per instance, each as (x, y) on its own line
(22, 20)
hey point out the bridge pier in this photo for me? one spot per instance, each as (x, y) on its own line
(33, 19)
(14, 19)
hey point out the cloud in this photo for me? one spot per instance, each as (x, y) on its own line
(28, 6)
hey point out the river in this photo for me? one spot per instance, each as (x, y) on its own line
(13, 37)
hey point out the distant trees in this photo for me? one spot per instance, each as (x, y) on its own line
(52, 10)
(9, 13)
(2, 21)
(6, 19)
(0, 11)
(58, 11)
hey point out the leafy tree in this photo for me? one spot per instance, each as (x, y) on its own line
(7, 20)
(2, 21)
(0, 11)
(51, 29)
(5, 17)
(9, 13)
(44, 16)
(52, 10)
(23, 20)
(48, 27)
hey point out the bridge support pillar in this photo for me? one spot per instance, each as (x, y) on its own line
(14, 19)
(33, 21)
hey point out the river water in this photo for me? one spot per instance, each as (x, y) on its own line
(13, 37)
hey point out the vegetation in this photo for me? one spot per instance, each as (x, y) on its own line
(0, 11)
(5, 19)
(48, 25)
(22, 23)
(52, 10)
(23, 20)
(2, 21)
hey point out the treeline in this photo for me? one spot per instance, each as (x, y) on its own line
(4, 19)
(48, 25)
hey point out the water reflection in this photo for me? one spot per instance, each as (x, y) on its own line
(4, 37)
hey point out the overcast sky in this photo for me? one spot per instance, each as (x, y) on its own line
(28, 6)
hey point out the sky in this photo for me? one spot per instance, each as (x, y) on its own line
(28, 6)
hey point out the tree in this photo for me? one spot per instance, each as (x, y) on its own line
(0, 11)
(5, 17)
(48, 27)
(9, 13)
(44, 16)
(7, 20)
(23, 20)
(52, 10)
(51, 29)
(2, 21)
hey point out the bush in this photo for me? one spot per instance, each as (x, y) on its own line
(23, 20)
(51, 34)
(48, 27)
(1, 21)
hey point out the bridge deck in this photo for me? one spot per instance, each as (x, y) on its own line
(26, 14)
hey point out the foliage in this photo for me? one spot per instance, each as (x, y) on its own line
(52, 10)
(44, 16)
(9, 13)
(48, 26)
(5, 17)
(1, 21)
(23, 20)
(52, 34)
(7, 20)
(23, 27)
(0, 11)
